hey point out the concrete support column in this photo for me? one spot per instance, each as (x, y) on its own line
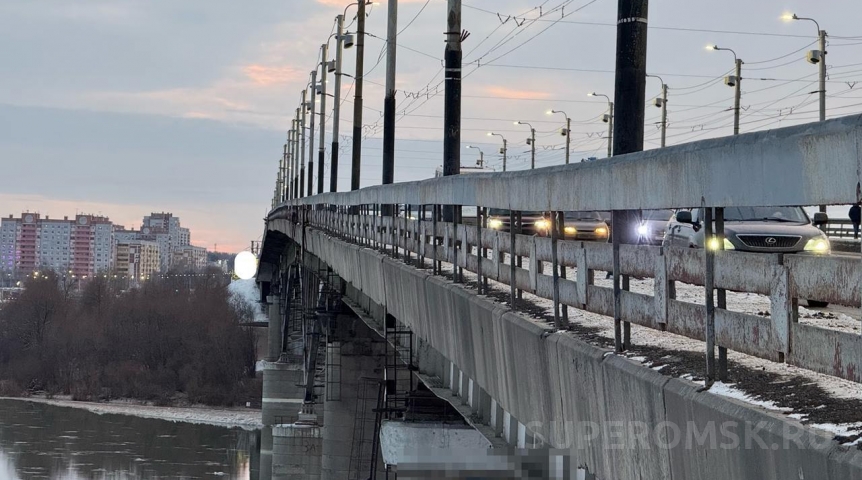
(296, 452)
(274, 329)
(361, 358)
(463, 387)
(510, 429)
(480, 402)
(497, 418)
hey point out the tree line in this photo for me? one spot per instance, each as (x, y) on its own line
(167, 341)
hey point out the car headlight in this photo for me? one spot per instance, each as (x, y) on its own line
(818, 245)
(643, 230)
(495, 223)
(601, 231)
(713, 244)
(542, 224)
(571, 230)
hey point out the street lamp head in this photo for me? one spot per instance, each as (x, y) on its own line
(550, 112)
(490, 134)
(591, 94)
(789, 17)
(470, 146)
(517, 123)
(712, 47)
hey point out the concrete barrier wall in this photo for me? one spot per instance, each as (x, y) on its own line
(611, 412)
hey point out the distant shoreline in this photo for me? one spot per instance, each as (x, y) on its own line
(245, 418)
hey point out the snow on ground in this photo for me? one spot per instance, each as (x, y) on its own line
(728, 390)
(246, 291)
(245, 418)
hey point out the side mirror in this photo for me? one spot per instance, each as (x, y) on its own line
(683, 216)
(820, 218)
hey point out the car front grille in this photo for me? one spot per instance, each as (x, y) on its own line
(770, 241)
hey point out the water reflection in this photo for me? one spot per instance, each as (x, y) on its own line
(43, 441)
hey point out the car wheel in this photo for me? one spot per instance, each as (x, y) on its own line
(817, 304)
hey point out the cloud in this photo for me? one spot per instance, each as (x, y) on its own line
(507, 92)
(266, 75)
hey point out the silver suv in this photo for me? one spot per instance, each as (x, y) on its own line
(754, 229)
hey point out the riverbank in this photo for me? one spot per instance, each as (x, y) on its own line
(245, 418)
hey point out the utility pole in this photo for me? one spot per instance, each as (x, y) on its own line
(389, 101)
(296, 154)
(822, 75)
(452, 114)
(302, 145)
(663, 114)
(533, 148)
(452, 107)
(282, 194)
(357, 99)
(568, 138)
(503, 150)
(324, 50)
(627, 135)
(336, 107)
(737, 96)
(312, 107)
(611, 130)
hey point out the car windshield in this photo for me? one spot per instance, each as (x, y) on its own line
(765, 214)
(662, 215)
(499, 212)
(581, 215)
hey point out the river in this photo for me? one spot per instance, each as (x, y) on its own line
(39, 441)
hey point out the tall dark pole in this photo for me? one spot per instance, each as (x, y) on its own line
(312, 108)
(389, 101)
(336, 105)
(452, 108)
(357, 99)
(324, 66)
(628, 130)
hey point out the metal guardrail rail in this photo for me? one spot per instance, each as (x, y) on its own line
(795, 166)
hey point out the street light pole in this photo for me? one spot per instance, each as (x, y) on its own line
(503, 150)
(481, 156)
(532, 142)
(357, 98)
(388, 173)
(568, 132)
(736, 82)
(312, 107)
(302, 145)
(610, 121)
(324, 66)
(662, 103)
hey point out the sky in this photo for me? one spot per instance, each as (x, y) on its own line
(126, 107)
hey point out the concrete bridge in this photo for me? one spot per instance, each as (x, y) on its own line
(410, 331)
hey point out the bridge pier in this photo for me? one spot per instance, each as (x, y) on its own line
(360, 359)
(275, 323)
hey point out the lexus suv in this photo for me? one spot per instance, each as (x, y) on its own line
(754, 229)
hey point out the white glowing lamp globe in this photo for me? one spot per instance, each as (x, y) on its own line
(245, 265)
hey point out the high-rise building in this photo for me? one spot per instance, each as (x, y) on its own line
(164, 228)
(137, 259)
(30, 243)
(190, 257)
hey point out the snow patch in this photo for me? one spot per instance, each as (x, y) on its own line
(728, 390)
(246, 291)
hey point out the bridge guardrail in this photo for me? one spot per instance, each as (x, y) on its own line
(781, 167)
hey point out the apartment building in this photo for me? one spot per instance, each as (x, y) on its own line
(137, 259)
(32, 242)
(190, 257)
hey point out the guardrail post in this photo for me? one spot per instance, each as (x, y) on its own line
(512, 264)
(583, 274)
(617, 226)
(535, 265)
(709, 287)
(661, 289)
(554, 265)
(784, 307)
(517, 230)
(561, 233)
(480, 252)
(721, 294)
